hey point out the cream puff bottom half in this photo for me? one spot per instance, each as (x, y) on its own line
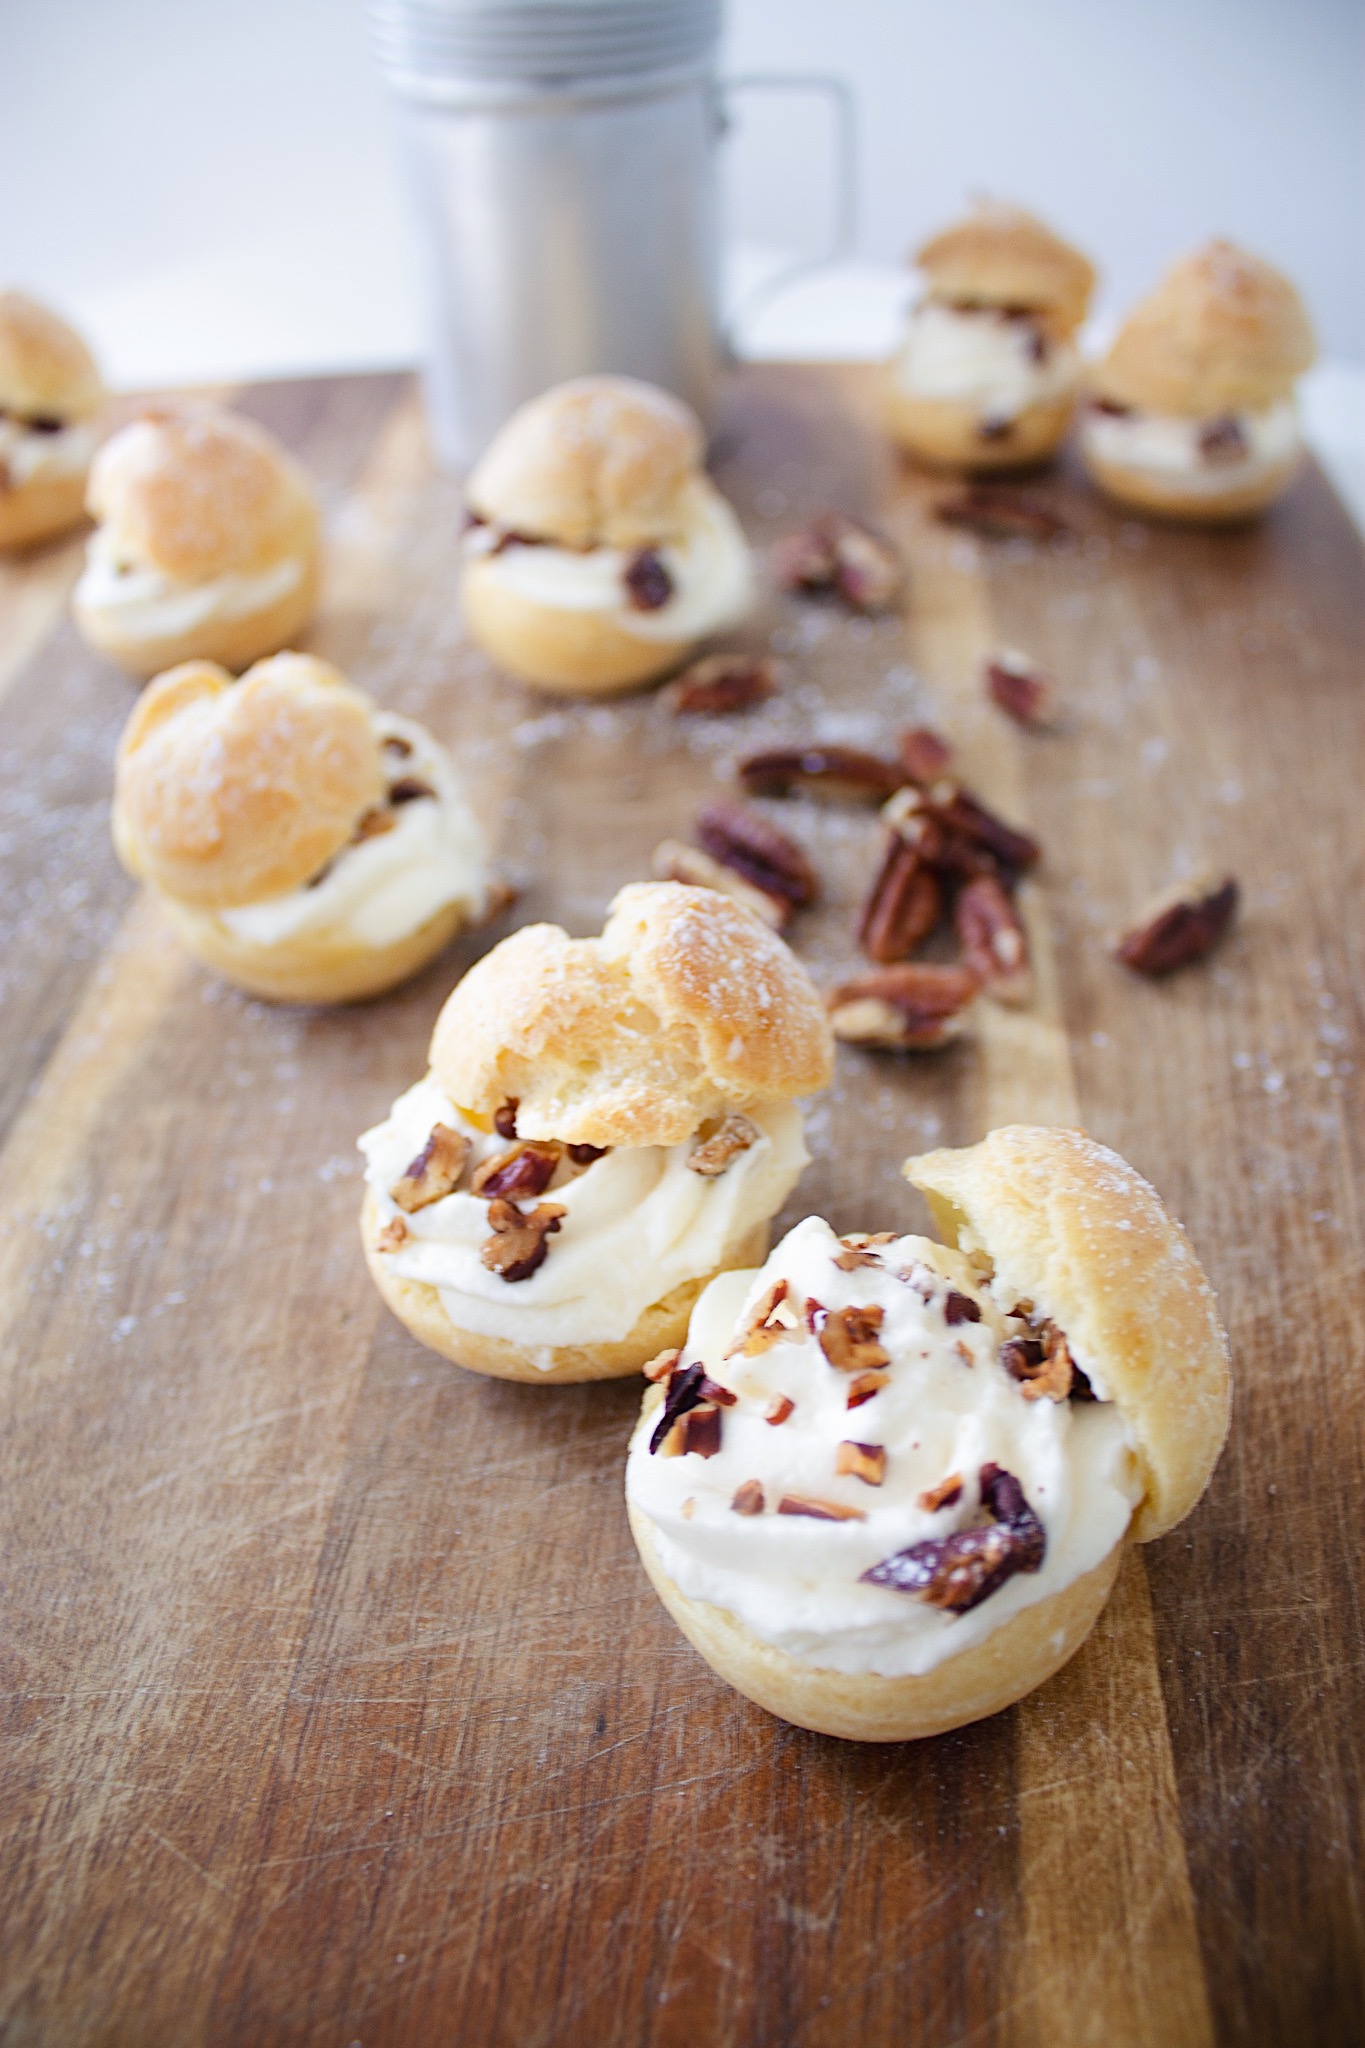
(1146, 492)
(235, 642)
(40, 509)
(945, 434)
(580, 653)
(662, 1325)
(864, 1706)
(315, 967)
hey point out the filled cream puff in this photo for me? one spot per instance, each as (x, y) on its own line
(50, 398)
(305, 844)
(598, 552)
(1192, 412)
(207, 546)
(886, 1485)
(986, 375)
(606, 1124)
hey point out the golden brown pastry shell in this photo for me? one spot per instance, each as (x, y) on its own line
(314, 967)
(235, 642)
(942, 432)
(41, 509)
(45, 366)
(1142, 491)
(999, 255)
(663, 1324)
(576, 653)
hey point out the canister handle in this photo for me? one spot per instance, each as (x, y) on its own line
(844, 232)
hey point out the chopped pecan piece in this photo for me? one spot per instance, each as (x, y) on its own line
(1041, 1364)
(925, 755)
(848, 1338)
(995, 427)
(409, 789)
(395, 744)
(818, 1510)
(909, 1008)
(745, 840)
(505, 1117)
(1223, 440)
(960, 1308)
(698, 1431)
(834, 772)
(1181, 926)
(393, 1236)
(838, 554)
(994, 942)
(434, 1172)
(997, 514)
(715, 1153)
(861, 1461)
(674, 861)
(957, 810)
(748, 1498)
(722, 682)
(902, 906)
(662, 1364)
(958, 1572)
(683, 1392)
(518, 1244)
(864, 1386)
(773, 1321)
(778, 1409)
(648, 583)
(586, 1155)
(1022, 691)
(945, 1495)
(521, 1174)
(372, 826)
(862, 1248)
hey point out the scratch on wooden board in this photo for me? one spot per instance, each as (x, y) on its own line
(197, 1868)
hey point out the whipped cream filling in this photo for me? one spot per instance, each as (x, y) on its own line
(948, 1407)
(708, 567)
(638, 1222)
(26, 453)
(381, 888)
(145, 601)
(983, 358)
(1192, 454)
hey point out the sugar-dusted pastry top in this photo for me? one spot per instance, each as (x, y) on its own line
(1222, 332)
(47, 374)
(195, 493)
(1000, 255)
(600, 462)
(686, 1006)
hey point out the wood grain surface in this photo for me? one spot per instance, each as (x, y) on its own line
(336, 1708)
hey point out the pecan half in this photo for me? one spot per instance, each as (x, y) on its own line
(746, 841)
(838, 554)
(925, 755)
(906, 1008)
(958, 1572)
(722, 682)
(848, 1338)
(505, 1117)
(864, 1386)
(945, 1495)
(957, 810)
(748, 1498)
(520, 1174)
(960, 1308)
(996, 514)
(818, 1510)
(861, 1461)
(902, 906)
(519, 1243)
(393, 1236)
(648, 583)
(715, 1153)
(1042, 1365)
(1223, 440)
(434, 1173)
(586, 1155)
(833, 772)
(774, 1321)
(994, 942)
(1022, 691)
(1181, 926)
(674, 861)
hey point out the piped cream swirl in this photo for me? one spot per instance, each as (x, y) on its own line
(982, 358)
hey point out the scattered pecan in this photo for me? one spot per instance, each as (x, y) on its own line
(722, 682)
(1181, 926)
(957, 810)
(778, 1409)
(908, 1008)
(409, 789)
(862, 1248)
(773, 1321)
(688, 1387)
(902, 906)
(1223, 440)
(518, 1244)
(393, 1236)
(371, 826)
(838, 554)
(864, 1385)
(1022, 691)
(925, 755)
(648, 583)
(748, 1498)
(994, 942)
(395, 744)
(586, 1155)
(674, 861)
(434, 1172)
(861, 1461)
(698, 1431)
(818, 1510)
(505, 1117)
(945, 1495)
(832, 772)
(960, 1308)
(848, 1338)
(997, 514)
(746, 841)
(662, 1364)
(958, 1572)
(715, 1153)
(1041, 1364)
(518, 1175)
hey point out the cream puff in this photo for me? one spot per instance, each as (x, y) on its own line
(886, 1485)
(986, 375)
(1192, 412)
(606, 1124)
(50, 397)
(597, 551)
(305, 844)
(207, 547)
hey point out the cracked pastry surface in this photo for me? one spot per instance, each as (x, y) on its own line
(50, 399)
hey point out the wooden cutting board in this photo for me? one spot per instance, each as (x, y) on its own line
(337, 1708)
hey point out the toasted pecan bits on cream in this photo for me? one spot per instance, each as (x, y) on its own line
(716, 1150)
(959, 1571)
(434, 1173)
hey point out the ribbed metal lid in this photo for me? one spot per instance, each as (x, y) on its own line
(539, 42)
